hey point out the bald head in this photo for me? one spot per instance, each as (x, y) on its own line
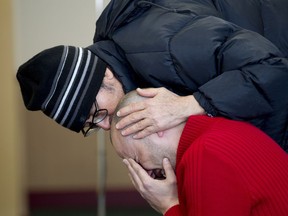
(124, 143)
(131, 97)
(149, 151)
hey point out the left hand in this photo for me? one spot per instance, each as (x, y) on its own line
(162, 110)
(160, 194)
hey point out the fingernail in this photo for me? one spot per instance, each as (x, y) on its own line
(118, 113)
(125, 161)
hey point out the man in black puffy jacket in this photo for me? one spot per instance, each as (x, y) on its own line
(230, 71)
(213, 66)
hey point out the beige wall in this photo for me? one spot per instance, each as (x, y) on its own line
(56, 158)
(12, 201)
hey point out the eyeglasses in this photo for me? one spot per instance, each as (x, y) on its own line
(98, 116)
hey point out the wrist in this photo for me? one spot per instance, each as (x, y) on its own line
(193, 107)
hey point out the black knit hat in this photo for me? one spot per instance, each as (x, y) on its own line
(63, 82)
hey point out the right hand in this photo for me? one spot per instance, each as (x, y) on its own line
(160, 194)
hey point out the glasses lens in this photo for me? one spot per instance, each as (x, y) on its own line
(99, 116)
(92, 127)
(87, 131)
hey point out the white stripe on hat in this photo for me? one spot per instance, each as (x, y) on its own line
(69, 68)
(78, 88)
(84, 92)
(70, 84)
(58, 75)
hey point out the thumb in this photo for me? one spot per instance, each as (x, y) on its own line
(148, 92)
(169, 171)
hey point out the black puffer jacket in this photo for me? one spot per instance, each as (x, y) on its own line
(188, 48)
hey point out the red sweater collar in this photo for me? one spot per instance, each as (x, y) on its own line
(194, 128)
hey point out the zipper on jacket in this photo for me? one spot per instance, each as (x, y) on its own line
(135, 12)
(140, 7)
(143, 3)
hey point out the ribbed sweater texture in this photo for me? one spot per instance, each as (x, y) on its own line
(229, 168)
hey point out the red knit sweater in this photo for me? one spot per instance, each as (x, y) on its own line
(229, 168)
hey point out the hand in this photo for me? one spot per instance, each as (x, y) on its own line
(161, 111)
(160, 194)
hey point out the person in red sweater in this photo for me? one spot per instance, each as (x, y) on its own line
(222, 167)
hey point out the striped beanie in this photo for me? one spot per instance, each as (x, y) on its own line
(63, 82)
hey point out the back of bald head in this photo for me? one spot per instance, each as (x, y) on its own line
(131, 97)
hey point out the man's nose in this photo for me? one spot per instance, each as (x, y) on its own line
(105, 124)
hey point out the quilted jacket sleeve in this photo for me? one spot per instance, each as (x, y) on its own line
(249, 74)
(252, 80)
(240, 74)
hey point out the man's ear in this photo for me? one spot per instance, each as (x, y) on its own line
(108, 74)
(160, 133)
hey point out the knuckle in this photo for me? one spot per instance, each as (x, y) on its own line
(136, 106)
(141, 189)
(150, 129)
(173, 181)
(132, 106)
(138, 126)
(134, 117)
(147, 187)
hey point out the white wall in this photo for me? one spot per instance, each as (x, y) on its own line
(40, 24)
